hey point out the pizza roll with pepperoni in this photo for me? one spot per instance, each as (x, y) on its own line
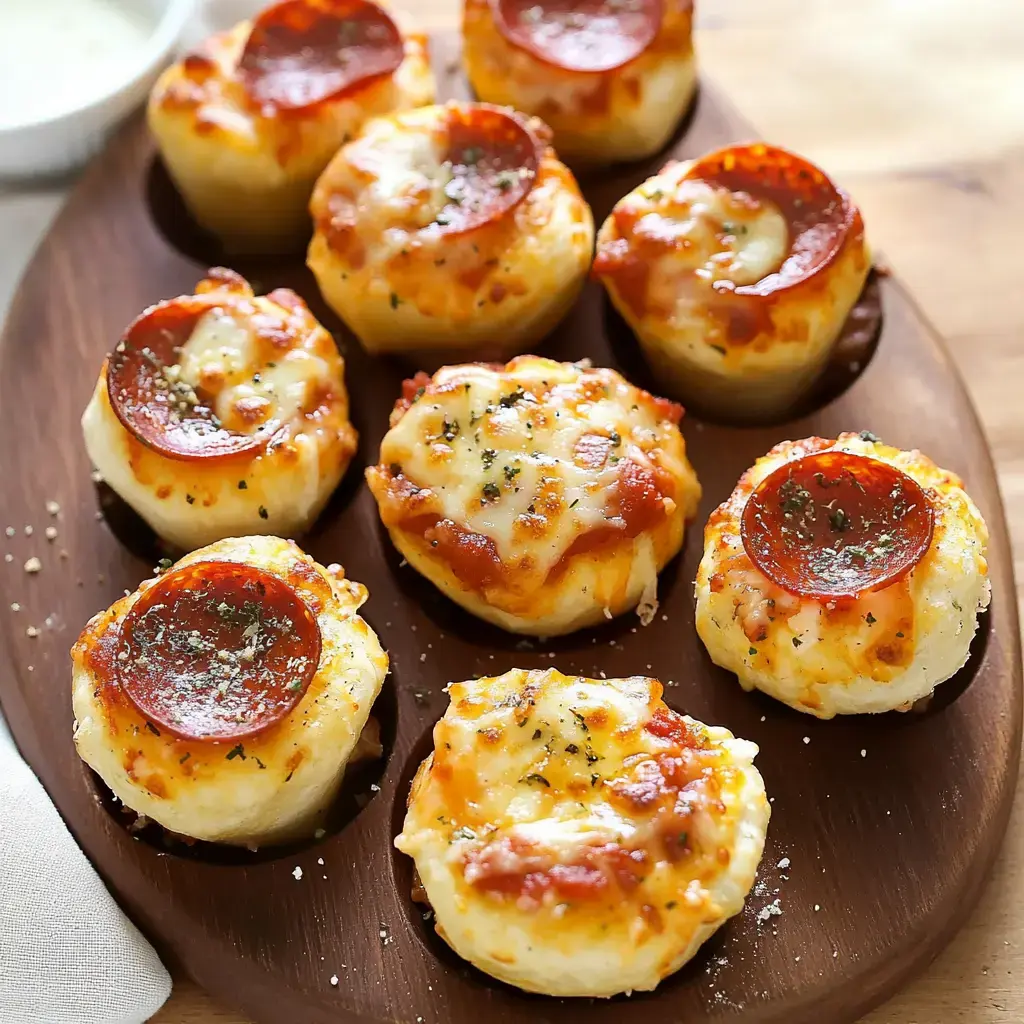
(577, 837)
(452, 228)
(222, 413)
(540, 496)
(246, 123)
(224, 698)
(843, 577)
(613, 78)
(737, 272)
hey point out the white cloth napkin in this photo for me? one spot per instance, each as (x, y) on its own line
(67, 953)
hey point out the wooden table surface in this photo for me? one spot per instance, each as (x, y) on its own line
(917, 107)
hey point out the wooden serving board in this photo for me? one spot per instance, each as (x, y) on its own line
(883, 829)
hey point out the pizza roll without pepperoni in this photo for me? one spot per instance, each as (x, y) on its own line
(224, 698)
(737, 272)
(222, 413)
(452, 228)
(577, 837)
(246, 124)
(540, 496)
(843, 576)
(613, 78)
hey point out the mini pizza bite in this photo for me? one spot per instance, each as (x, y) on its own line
(246, 123)
(540, 496)
(222, 413)
(224, 698)
(737, 272)
(577, 837)
(613, 78)
(843, 576)
(453, 228)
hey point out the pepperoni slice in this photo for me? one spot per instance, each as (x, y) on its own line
(580, 35)
(818, 214)
(158, 408)
(303, 52)
(491, 159)
(836, 525)
(217, 651)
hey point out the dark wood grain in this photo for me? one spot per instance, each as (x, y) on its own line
(887, 851)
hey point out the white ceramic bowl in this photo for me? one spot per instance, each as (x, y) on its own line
(63, 141)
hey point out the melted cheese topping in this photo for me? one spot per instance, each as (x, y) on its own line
(575, 836)
(265, 361)
(387, 266)
(531, 463)
(598, 117)
(225, 357)
(880, 652)
(280, 783)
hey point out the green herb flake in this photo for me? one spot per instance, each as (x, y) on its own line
(264, 514)
(797, 641)
(870, 619)
(234, 752)
(839, 520)
(507, 401)
(535, 777)
(395, 300)
(752, 652)
(487, 456)
(491, 491)
(242, 485)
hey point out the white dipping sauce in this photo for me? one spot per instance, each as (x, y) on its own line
(56, 55)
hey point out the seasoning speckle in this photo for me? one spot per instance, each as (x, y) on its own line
(297, 873)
